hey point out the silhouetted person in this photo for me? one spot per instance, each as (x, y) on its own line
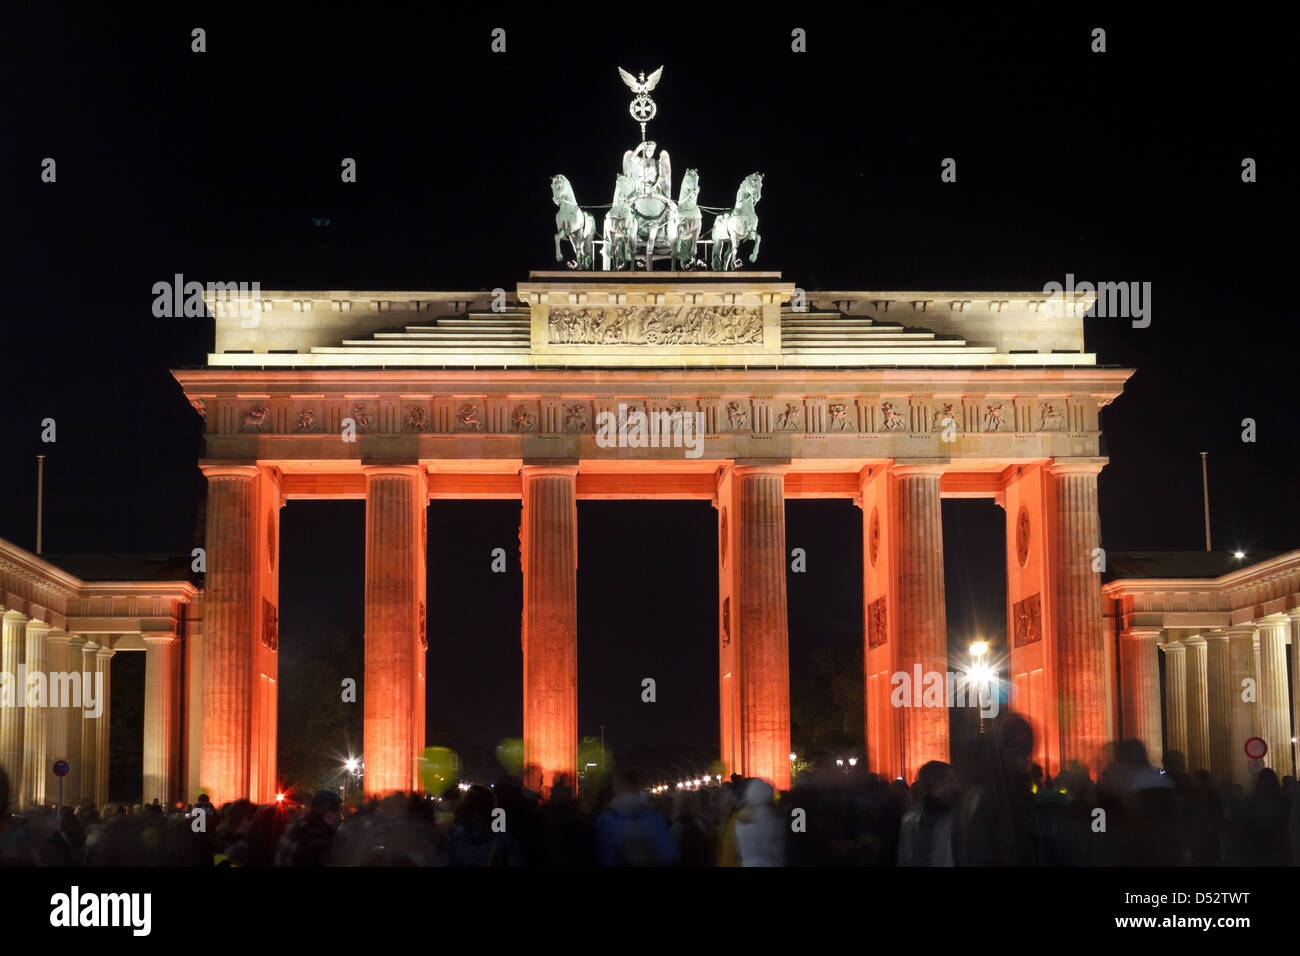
(925, 834)
(631, 832)
(474, 841)
(309, 841)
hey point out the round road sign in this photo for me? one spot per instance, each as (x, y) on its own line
(1256, 748)
(61, 768)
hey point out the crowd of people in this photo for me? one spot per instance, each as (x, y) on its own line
(991, 807)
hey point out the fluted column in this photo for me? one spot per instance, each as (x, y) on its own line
(13, 651)
(1083, 684)
(35, 714)
(922, 614)
(1244, 712)
(1219, 681)
(548, 548)
(764, 628)
(1198, 706)
(1275, 693)
(397, 498)
(1139, 663)
(1294, 616)
(1175, 698)
(104, 666)
(159, 717)
(56, 712)
(72, 794)
(230, 592)
(92, 687)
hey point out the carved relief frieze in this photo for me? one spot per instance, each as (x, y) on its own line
(307, 421)
(1051, 417)
(841, 416)
(945, 415)
(577, 417)
(1022, 536)
(469, 417)
(255, 418)
(790, 417)
(877, 623)
(737, 415)
(416, 419)
(1028, 621)
(656, 325)
(995, 417)
(363, 419)
(270, 625)
(523, 418)
(893, 417)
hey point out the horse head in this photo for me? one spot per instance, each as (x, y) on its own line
(690, 187)
(561, 191)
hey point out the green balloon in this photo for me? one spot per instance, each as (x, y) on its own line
(440, 770)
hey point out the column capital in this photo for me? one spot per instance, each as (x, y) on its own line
(1077, 466)
(395, 469)
(1172, 647)
(745, 468)
(104, 653)
(1243, 630)
(158, 637)
(1141, 633)
(37, 628)
(1273, 620)
(246, 472)
(1218, 634)
(556, 469)
(905, 469)
(58, 635)
(14, 616)
(1293, 613)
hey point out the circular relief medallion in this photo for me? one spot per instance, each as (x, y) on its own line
(874, 541)
(1022, 537)
(270, 539)
(722, 542)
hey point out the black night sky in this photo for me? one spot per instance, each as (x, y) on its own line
(1122, 166)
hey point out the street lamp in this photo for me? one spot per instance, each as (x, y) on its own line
(980, 673)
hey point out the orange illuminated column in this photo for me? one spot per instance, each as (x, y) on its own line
(761, 626)
(1140, 687)
(729, 709)
(549, 553)
(397, 501)
(1083, 683)
(241, 594)
(160, 718)
(880, 627)
(922, 615)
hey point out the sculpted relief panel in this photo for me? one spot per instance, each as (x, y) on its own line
(656, 325)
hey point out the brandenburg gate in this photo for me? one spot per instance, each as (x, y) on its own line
(766, 392)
